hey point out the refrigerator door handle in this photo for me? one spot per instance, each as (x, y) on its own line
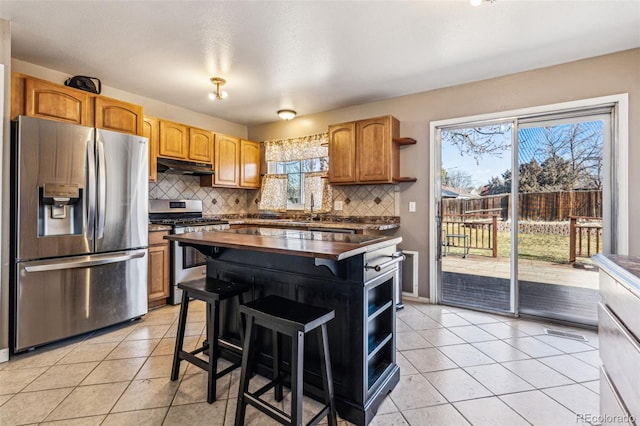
(84, 261)
(90, 195)
(102, 190)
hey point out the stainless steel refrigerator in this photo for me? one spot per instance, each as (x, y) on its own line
(80, 223)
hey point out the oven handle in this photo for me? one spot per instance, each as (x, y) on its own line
(395, 258)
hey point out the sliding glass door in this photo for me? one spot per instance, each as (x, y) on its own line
(523, 204)
(561, 187)
(475, 231)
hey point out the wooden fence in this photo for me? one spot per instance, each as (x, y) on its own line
(539, 206)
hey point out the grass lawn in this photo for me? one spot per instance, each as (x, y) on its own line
(542, 247)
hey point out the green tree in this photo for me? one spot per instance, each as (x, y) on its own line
(529, 176)
(557, 175)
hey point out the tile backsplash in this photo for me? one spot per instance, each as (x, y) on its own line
(367, 200)
(215, 201)
(357, 200)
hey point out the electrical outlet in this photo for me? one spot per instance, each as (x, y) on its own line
(412, 206)
(337, 205)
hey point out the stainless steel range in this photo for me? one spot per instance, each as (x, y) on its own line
(184, 216)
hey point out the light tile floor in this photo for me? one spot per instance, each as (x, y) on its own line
(457, 367)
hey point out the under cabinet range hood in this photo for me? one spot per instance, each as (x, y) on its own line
(181, 167)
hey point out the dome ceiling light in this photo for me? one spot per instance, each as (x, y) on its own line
(286, 114)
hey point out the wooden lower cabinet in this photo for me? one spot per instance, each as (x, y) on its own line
(158, 278)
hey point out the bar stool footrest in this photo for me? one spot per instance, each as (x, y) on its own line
(227, 370)
(267, 387)
(189, 357)
(318, 417)
(268, 409)
(199, 350)
(276, 413)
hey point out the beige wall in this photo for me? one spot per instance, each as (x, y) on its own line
(600, 76)
(151, 106)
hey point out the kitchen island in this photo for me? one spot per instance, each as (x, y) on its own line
(353, 274)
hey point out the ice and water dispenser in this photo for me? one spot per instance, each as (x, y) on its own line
(60, 208)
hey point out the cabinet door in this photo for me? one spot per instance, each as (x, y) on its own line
(373, 138)
(227, 159)
(151, 131)
(112, 114)
(200, 145)
(342, 153)
(249, 164)
(174, 140)
(56, 102)
(158, 273)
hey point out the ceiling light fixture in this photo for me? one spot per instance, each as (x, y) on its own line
(286, 114)
(217, 93)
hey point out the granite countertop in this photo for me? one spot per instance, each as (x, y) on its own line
(373, 226)
(287, 241)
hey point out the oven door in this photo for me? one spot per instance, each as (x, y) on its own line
(188, 264)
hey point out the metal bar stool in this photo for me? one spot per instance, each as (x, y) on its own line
(211, 291)
(293, 319)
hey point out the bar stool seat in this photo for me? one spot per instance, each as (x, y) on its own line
(211, 291)
(293, 319)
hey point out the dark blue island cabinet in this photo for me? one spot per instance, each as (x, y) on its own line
(355, 275)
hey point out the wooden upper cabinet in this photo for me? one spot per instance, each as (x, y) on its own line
(373, 148)
(174, 140)
(226, 161)
(40, 98)
(200, 145)
(342, 153)
(151, 131)
(366, 152)
(56, 102)
(119, 116)
(236, 163)
(249, 164)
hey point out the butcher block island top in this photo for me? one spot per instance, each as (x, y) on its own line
(324, 245)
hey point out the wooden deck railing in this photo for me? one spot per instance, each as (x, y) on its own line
(480, 230)
(585, 239)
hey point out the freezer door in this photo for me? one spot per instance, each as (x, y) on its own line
(53, 189)
(60, 298)
(122, 191)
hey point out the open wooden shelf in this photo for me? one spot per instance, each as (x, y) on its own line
(404, 179)
(404, 141)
